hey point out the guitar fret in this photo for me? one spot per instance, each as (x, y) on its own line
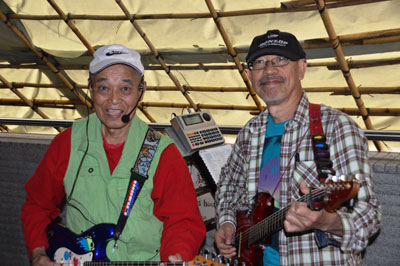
(137, 263)
(274, 222)
(128, 263)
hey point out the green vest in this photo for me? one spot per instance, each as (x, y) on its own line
(100, 196)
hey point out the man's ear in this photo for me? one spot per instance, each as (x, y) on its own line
(142, 89)
(302, 64)
(90, 87)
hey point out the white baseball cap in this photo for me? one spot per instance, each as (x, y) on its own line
(115, 54)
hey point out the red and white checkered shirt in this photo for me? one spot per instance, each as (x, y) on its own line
(348, 152)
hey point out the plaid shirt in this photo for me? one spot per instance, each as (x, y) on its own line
(348, 152)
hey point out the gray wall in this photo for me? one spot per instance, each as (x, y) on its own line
(383, 250)
(20, 156)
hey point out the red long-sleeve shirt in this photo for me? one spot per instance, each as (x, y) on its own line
(173, 195)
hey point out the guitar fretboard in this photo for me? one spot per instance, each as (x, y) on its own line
(272, 223)
(136, 263)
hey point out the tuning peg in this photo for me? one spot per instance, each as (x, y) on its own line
(206, 253)
(220, 259)
(213, 255)
(358, 176)
(351, 203)
(334, 178)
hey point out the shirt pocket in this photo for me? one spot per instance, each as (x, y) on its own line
(306, 170)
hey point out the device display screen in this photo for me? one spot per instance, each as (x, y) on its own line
(192, 119)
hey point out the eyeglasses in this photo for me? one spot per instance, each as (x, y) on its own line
(259, 64)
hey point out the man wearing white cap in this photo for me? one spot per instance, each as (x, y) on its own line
(112, 169)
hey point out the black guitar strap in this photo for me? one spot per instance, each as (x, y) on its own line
(138, 177)
(323, 162)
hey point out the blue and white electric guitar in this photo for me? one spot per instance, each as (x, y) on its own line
(89, 248)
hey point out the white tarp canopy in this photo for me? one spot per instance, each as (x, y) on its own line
(197, 47)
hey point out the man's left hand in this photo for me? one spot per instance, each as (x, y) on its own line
(175, 258)
(300, 218)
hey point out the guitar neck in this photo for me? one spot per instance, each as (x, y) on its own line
(271, 224)
(136, 263)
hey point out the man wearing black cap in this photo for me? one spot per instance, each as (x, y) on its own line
(112, 169)
(274, 154)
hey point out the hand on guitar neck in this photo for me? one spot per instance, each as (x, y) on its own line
(300, 217)
(224, 238)
(262, 222)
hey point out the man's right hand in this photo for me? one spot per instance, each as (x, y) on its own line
(223, 239)
(39, 258)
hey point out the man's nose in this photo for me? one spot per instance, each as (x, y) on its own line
(269, 67)
(115, 97)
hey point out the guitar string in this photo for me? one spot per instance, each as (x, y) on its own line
(237, 237)
(273, 218)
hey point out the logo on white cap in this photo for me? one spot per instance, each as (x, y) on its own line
(113, 52)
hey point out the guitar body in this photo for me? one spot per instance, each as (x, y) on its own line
(263, 222)
(65, 246)
(89, 248)
(250, 253)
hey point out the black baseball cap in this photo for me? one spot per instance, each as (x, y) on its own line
(277, 43)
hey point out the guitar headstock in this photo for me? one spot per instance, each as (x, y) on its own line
(335, 193)
(199, 260)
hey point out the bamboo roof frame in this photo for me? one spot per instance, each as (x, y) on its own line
(68, 104)
(156, 54)
(72, 26)
(45, 59)
(25, 100)
(333, 90)
(233, 54)
(288, 6)
(323, 11)
(337, 42)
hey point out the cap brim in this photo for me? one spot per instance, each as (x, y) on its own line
(271, 51)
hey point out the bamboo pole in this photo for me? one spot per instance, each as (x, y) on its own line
(67, 104)
(4, 129)
(71, 25)
(44, 58)
(247, 12)
(147, 114)
(345, 68)
(332, 90)
(25, 100)
(372, 111)
(333, 3)
(233, 54)
(157, 55)
(331, 65)
(367, 63)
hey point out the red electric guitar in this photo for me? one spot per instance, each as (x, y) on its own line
(263, 223)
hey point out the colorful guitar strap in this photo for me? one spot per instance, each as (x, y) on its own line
(138, 177)
(323, 162)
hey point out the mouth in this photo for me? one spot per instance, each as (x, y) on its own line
(114, 112)
(270, 81)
